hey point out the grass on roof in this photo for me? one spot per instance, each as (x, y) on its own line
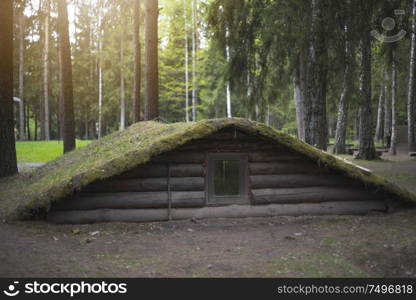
(23, 195)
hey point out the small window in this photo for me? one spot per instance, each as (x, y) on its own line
(227, 178)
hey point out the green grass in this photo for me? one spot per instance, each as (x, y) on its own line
(42, 151)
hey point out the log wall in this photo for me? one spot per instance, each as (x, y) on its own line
(177, 180)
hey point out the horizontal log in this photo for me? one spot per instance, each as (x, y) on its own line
(298, 180)
(146, 185)
(130, 200)
(313, 195)
(228, 146)
(187, 183)
(187, 170)
(161, 170)
(181, 157)
(230, 134)
(232, 211)
(273, 156)
(146, 171)
(288, 167)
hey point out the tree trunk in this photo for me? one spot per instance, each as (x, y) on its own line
(137, 62)
(298, 101)
(194, 54)
(316, 126)
(122, 84)
(8, 163)
(152, 72)
(393, 143)
(22, 131)
(357, 124)
(46, 72)
(411, 100)
(27, 117)
(341, 127)
(186, 63)
(67, 112)
(379, 128)
(387, 111)
(366, 149)
(100, 73)
(228, 87)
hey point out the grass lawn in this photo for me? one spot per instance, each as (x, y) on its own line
(41, 151)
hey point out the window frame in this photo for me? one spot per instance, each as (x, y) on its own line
(242, 198)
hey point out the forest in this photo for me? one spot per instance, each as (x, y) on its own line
(330, 72)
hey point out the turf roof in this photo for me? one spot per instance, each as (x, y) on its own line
(22, 196)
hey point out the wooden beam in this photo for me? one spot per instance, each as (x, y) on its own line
(313, 195)
(285, 167)
(232, 211)
(152, 170)
(274, 156)
(298, 180)
(229, 146)
(145, 185)
(131, 200)
(180, 157)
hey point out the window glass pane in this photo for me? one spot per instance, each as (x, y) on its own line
(227, 177)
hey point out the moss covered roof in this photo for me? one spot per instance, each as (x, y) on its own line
(23, 195)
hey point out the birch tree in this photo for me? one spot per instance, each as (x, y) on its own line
(194, 57)
(46, 70)
(185, 15)
(411, 97)
(345, 98)
(379, 136)
(393, 143)
(122, 82)
(137, 61)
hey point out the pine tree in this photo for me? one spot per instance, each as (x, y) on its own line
(152, 67)
(8, 163)
(67, 96)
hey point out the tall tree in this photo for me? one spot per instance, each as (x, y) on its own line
(411, 97)
(67, 93)
(315, 102)
(137, 62)
(46, 87)
(8, 163)
(297, 95)
(387, 110)
(22, 131)
(366, 148)
(379, 136)
(393, 143)
(185, 15)
(345, 98)
(100, 69)
(194, 57)
(122, 82)
(152, 68)
(228, 88)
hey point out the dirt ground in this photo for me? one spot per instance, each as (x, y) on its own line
(331, 246)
